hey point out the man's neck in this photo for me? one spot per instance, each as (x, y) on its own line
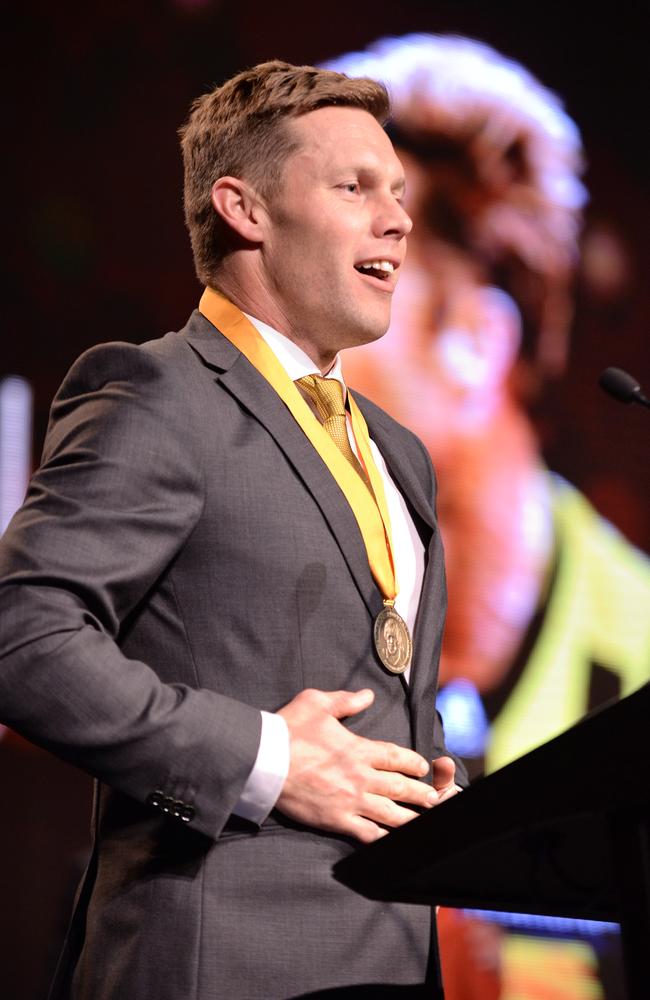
(253, 299)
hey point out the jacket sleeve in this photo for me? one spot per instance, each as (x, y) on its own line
(119, 492)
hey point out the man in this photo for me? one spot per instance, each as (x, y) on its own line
(546, 601)
(200, 586)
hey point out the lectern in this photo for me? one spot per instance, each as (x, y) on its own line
(564, 830)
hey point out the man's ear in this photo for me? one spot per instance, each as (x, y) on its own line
(240, 207)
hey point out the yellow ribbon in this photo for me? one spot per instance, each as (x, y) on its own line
(372, 518)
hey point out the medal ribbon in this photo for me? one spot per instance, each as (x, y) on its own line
(371, 513)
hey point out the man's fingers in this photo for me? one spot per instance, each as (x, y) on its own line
(364, 830)
(449, 793)
(342, 704)
(399, 788)
(444, 772)
(390, 757)
(385, 811)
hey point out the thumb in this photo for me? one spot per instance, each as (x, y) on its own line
(444, 772)
(341, 704)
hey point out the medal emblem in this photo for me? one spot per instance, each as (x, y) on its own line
(392, 640)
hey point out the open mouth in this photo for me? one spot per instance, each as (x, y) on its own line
(380, 269)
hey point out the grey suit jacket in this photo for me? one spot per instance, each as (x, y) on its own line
(183, 559)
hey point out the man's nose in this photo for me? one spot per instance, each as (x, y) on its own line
(392, 219)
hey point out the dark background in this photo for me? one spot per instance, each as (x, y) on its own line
(97, 250)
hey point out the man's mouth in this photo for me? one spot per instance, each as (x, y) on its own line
(380, 269)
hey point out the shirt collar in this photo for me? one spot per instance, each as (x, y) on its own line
(293, 359)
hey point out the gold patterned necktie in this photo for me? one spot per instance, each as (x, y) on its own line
(327, 395)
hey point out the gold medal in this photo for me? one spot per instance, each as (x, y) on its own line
(392, 640)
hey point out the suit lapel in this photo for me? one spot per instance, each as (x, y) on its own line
(432, 597)
(253, 392)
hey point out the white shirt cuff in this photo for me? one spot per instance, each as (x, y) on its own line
(270, 770)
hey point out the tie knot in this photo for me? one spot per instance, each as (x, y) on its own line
(327, 394)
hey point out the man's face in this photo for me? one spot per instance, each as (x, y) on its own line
(338, 209)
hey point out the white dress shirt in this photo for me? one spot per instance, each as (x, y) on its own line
(271, 766)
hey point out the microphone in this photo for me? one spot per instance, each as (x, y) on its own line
(622, 386)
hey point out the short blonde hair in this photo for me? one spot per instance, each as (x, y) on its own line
(239, 130)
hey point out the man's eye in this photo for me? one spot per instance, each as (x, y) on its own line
(351, 186)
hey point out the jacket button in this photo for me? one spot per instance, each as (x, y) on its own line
(187, 813)
(155, 799)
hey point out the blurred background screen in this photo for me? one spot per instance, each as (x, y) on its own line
(522, 133)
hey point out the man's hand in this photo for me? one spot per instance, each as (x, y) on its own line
(444, 773)
(345, 783)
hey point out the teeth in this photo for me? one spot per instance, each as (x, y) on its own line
(378, 265)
